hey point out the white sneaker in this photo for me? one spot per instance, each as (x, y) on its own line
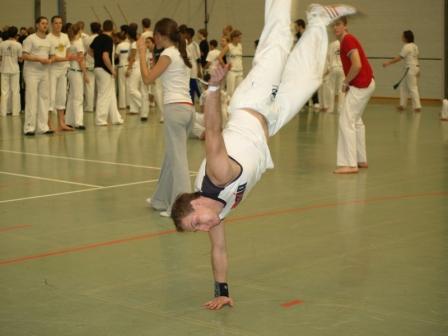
(148, 201)
(329, 13)
(164, 214)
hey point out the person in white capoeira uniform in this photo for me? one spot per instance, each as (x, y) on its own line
(89, 87)
(122, 51)
(409, 86)
(38, 53)
(77, 75)
(234, 52)
(279, 84)
(10, 55)
(58, 71)
(335, 77)
(102, 50)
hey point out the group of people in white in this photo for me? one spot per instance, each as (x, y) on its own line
(65, 71)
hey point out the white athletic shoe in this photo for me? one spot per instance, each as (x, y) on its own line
(329, 13)
(164, 214)
(148, 201)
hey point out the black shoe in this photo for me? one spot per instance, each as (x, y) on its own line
(49, 132)
(143, 119)
(30, 133)
(69, 125)
(80, 127)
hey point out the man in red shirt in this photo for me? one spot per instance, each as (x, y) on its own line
(358, 87)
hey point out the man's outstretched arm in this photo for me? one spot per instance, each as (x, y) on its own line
(219, 264)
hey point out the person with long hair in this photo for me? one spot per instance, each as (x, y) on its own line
(77, 72)
(234, 52)
(409, 86)
(173, 67)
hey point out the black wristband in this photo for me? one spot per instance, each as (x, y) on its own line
(221, 289)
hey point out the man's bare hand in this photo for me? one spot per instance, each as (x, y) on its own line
(218, 302)
(218, 73)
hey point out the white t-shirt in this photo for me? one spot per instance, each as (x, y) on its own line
(136, 64)
(10, 51)
(176, 78)
(193, 53)
(236, 57)
(90, 62)
(409, 53)
(75, 48)
(60, 44)
(37, 46)
(147, 33)
(333, 57)
(123, 50)
(212, 55)
(246, 144)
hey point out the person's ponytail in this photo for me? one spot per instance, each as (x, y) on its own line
(182, 46)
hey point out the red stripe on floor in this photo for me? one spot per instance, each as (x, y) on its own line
(232, 220)
(16, 227)
(291, 303)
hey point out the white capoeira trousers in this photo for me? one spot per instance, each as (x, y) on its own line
(58, 89)
(233, 79)
(74, 114)
(409, 87)
(10, 86)
(89, 92)
(158, 95)
(352, 135)
(106, 101)
(444, 112)
(281, 81)
(37, 98)
(135, 96)
(122, 87)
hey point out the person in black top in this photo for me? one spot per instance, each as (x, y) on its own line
(203, 46)
(102, 49)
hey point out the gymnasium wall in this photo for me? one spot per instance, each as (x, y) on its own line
(379, 27)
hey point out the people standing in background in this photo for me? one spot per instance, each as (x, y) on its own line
(335, 77)
(102, 49)
(89, 86)
(38, 54)
(133, 77)
(194, 54)
(212, 54)
(146, 26)
(299, 27)
(203, 46)
(77, 74)
(234, 52)
(122, 51)
(158, 87)
(173, 67)
(358, 87)
(409, 86)
(58, 72)
(10, 56)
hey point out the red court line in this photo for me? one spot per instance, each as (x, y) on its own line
(84, 247)
(16, 227)
(291, 303)
(232, 220)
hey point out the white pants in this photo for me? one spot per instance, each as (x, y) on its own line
(89, 92)
(122, 87)
(158, 95)
(444, 113)
(37, 98)
(144, 103)
(106, 100)
(58, 89)
(135, 96)
(352, 135)
(74, 113)
(409, 87)
(10, 93)
(333, 88)
(281, 81)
(233, 79)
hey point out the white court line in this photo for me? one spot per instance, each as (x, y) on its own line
(50, 179)
(76, 191)
(78, 159)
